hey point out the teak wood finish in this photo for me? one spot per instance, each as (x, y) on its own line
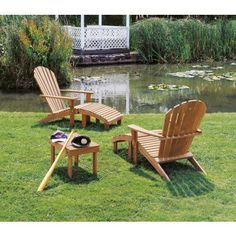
(51, 92)
(74, 152)
(171, 143)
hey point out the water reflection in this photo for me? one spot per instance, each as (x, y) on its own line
(109, 89)
(126, 88)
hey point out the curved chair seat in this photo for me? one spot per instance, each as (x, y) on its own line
(101, 112)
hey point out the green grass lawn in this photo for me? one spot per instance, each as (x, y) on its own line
(121, 191)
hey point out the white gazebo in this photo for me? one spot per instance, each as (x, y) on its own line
(99, 37)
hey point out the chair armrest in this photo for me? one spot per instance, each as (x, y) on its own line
(76, 91)
(144, 131)
(59, 97)
(87, 94)
(161, 137)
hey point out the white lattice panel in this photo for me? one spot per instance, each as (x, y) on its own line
(100, 37)
(75, 34)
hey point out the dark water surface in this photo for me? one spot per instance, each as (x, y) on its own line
(126, 88)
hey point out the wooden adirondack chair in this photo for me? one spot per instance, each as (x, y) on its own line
(50, 91)
(171, 143)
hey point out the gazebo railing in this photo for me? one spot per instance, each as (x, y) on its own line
(99, 37)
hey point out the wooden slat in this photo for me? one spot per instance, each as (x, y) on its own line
(165, 131)
(198, 113)
(48, 86)
(111, 117)
(100, 113)
(170, 132)
(180, 110)
(188, 126)
(106, 111)
(174, 158)
(56, 89)
(44, 89)
(53, 88)
(48, 90)
(178, 147)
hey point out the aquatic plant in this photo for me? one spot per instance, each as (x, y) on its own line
(189, 40)
(166, 87)
(207, 75)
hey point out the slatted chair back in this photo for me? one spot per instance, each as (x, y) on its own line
(181, 120)
(48, 85)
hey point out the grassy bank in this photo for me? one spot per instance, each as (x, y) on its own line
(121, 192)
(188, 40)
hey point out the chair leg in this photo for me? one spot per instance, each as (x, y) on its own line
(130, 151)
(95, 154)
(161, 171)
(106, 126)
(196, 164)
(115, 147)
(134, 135)
(84, 121)
(48, 118)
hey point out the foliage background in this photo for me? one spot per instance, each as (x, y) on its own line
(30, 41)
(184, 40)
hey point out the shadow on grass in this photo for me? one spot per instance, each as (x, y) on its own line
(80, 176)
(64, 125)
(123, 153)
(185, 180)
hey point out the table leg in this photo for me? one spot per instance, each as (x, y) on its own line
(88, 120)
(84, 121)
(76, 161)
(70, 160)
(95, 163)
(130, 151)
(52, 154)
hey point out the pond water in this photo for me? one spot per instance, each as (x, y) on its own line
(126, 88)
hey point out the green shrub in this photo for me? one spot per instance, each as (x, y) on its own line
(29, 42)
(188, 40)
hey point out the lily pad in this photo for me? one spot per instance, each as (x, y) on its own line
(90, 79)
(230, 76)
(207, 75)
(208, 79)
(217, 68)
(191, 73)
(166, 87)
(200, 66)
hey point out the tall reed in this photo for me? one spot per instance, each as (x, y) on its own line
(189, 40)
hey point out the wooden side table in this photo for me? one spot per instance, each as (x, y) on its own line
(73, 152)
